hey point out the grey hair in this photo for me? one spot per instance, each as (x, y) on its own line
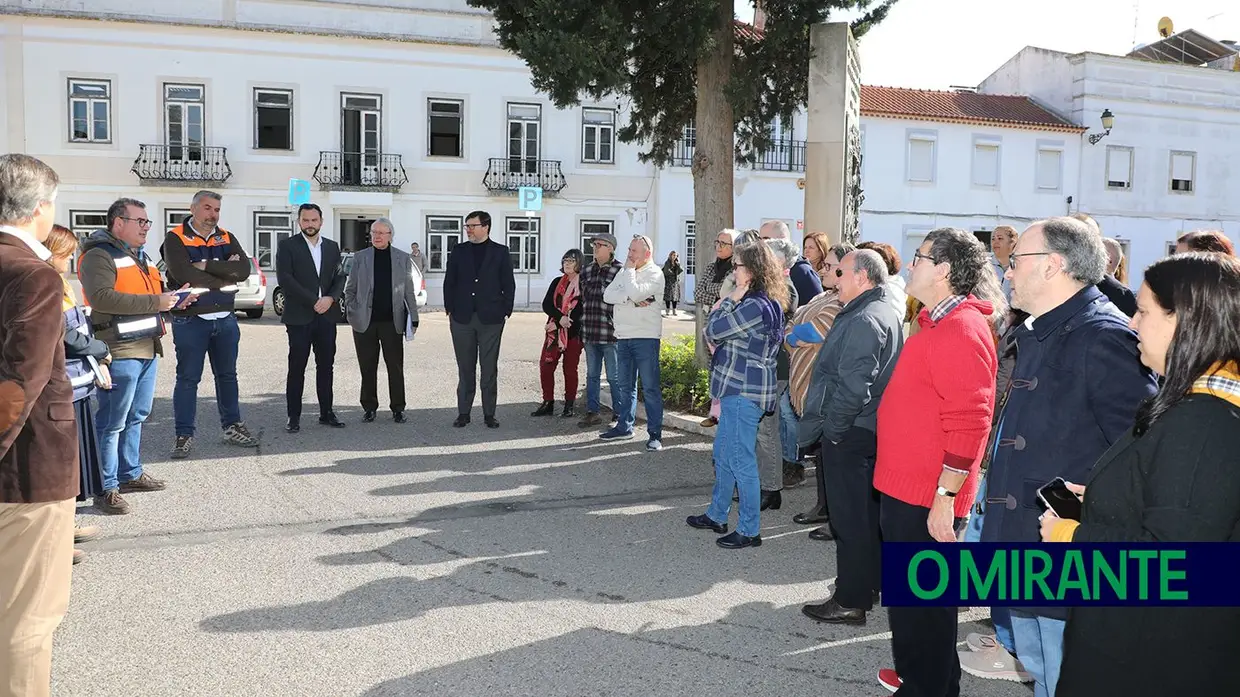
(872, 263)
(785, 251)
(744, 237)
(25, 182)
(1080, 245)
(780, 228)
(1113, 245)
(205, 193)
(842, 249)
(385, 221)
(970, 270)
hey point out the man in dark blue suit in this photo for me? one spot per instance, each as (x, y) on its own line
(478, 291)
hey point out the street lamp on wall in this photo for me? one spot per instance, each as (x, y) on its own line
(1108, 120)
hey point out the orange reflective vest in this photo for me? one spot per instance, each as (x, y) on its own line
(133, 278)
(213, 248)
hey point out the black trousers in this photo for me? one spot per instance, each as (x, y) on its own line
(474, 343)
(848, 468)
(923, 639)
(381, 334)
(320, 336)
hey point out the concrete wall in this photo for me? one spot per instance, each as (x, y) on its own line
(1040, 73)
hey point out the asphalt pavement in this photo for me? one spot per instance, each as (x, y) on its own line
(419, 559)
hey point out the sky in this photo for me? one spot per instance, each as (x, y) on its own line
(935, 44)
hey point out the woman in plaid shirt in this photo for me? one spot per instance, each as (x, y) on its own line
(747, 330)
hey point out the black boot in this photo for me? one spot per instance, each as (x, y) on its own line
(544, 409)
(569, 411)
(772, 500)
(794, 474)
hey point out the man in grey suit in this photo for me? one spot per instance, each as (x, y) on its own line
(380, 317)
(308, 269)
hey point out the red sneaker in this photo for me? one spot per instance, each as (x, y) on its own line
(889, 679)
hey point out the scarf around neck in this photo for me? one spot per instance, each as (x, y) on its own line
(567, 295)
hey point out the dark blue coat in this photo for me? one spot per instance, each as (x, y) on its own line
(806, 281)
(1075, 390)
(479, 280)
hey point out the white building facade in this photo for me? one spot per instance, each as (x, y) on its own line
(1168, 165)
(242, 96)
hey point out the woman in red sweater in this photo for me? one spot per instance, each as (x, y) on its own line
(933, 423)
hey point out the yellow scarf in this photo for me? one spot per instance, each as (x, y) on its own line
(1222, 381)
(70, 300)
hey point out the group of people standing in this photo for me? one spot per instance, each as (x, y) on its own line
(1019, 367)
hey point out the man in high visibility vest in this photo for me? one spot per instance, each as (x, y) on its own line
(206, 256)
(121, 286)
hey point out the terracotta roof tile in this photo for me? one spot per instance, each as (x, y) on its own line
(960, 107)
(746, 31)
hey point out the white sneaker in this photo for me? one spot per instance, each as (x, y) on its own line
(654, 445)
(993, 664)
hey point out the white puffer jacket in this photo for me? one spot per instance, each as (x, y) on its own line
(631, 287)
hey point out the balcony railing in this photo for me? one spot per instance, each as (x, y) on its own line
(509, 174)
(782, 156)
(371, 170)
(191, 164)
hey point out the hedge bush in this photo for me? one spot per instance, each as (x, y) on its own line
(686, 387)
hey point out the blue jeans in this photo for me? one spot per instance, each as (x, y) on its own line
(788, 422)
(598, 356)
(736, 464)
(196, 339)
(1039, 646)
(640, 357)
(118, 422)
(1001, 616)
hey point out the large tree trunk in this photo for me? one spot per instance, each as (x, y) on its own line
(714, 153)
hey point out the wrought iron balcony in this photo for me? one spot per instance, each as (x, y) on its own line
(509, 174)
(188, 164)
(353, 170)
(682, 154)
(782, 156)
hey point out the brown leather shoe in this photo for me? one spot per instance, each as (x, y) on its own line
(592, 419)
(144, 482)
(111, 503)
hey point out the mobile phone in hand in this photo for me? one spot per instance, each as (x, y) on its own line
(1056, 496)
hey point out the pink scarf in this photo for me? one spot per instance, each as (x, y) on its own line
(567, 294)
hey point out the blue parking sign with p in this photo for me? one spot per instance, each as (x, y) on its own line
(298, 192)
(530, 198)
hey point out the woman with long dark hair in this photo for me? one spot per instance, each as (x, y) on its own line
(82, 353)
(563, 335)
(746, 329)
(1204, 241)
(673, 283)
(1173, 479)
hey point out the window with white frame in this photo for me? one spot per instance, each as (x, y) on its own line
(185, 121)
(174, 217)
(1119, 167)
(522, 238)
(90, 111)
(921, 156)
(598, 135)
(273, 119)
(83, 224)
(591, 229)
(1049, 167)
(446, 127)
(986, 162)
(270, 228)
(690, 248)
(1183, 171)
(443, 232)
(913, 238)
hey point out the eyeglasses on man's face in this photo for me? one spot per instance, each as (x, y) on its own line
(918, 256)
(1012, 257)
(471, 226)
(721, 244)
(142, 222)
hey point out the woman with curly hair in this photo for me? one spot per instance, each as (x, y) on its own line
(746, 329)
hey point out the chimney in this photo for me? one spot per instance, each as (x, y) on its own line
(759, 16)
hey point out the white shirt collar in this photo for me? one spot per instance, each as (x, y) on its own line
(317, 239)
(27, 239)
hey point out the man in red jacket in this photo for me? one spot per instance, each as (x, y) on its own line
(932, 428)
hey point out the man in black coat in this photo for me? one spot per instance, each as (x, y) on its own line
(478, 292)
(308, 271)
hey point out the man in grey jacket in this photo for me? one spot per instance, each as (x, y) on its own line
(381, 302)
(841, 410)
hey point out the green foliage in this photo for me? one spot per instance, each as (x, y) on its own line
(686, 387)
(648, 51)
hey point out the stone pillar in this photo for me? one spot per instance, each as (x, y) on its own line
(832, 149)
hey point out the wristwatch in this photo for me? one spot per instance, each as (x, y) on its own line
(944, 492)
